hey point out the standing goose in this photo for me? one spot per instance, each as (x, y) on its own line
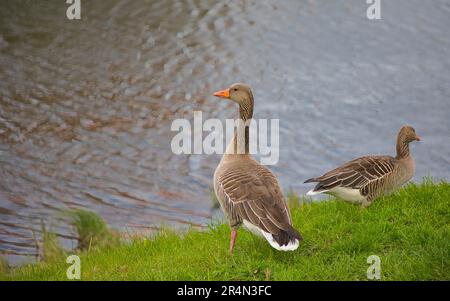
(248, 192)
(364, 179)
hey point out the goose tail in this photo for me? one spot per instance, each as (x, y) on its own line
(315, 192)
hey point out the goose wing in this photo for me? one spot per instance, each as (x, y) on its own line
(253, 195)
(356, 174)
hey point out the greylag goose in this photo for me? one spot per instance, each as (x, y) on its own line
(365, 179)
(248, 192)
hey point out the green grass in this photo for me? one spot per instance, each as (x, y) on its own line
(92, 230)
(4, 268)
(50, 249)
(409, 231)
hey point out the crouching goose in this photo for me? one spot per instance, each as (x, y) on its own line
(248, 192)
(364, 179)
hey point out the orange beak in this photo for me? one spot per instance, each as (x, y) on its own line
(418, 138)
(223, 94)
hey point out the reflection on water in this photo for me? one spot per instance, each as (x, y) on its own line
(86, 106)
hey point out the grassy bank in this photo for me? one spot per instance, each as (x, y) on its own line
(409, 231)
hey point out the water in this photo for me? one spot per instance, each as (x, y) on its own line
(86, 106)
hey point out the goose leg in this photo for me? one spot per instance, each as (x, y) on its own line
(232, 240)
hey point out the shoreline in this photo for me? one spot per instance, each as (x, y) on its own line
(409, 231)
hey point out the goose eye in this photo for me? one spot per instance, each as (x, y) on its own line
(235, 89)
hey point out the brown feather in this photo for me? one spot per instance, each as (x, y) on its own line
(249, 191)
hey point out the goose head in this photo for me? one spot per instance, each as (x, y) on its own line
(239, 93)
(408, 134)
(242, 95)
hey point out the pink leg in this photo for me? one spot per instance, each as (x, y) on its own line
(232, 240)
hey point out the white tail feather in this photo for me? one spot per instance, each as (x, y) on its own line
(312, 192)
(291, 246)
